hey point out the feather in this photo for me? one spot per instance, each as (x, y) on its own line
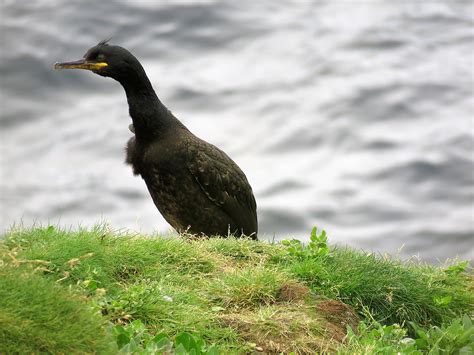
(104, 42)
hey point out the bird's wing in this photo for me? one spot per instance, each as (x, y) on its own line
(225, 185)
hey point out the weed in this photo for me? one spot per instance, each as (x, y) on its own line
(317, 246)
(134, 338)
(456, 337)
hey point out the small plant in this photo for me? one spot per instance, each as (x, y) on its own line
(379, 339)
(134, 338)
(316, 247)
(454, 338)
(456, 269)
(442, 301)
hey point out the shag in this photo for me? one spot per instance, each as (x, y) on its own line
(196, 186)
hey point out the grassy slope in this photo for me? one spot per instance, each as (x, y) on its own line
(238, 294)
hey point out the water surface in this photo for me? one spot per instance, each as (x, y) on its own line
(355, 117)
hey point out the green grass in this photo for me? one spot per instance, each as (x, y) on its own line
(391, 291)
(74, 291)
(36, 315)
(247, 287)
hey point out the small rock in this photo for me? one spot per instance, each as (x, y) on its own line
(167, 299)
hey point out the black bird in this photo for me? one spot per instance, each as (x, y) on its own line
(196, 186)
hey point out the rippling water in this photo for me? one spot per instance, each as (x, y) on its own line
(356, 117)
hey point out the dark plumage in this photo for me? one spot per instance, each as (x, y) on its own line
(195, 185)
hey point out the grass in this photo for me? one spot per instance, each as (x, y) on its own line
(100, 291)
(391, 291)
(39, 316)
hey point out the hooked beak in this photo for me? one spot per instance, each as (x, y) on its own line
(80, 64)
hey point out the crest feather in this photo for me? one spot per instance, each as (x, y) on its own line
(104, 42)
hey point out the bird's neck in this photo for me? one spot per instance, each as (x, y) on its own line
(150, 117)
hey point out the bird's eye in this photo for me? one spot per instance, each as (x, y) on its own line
(100, 56)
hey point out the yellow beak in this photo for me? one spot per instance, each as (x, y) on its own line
(81, 64)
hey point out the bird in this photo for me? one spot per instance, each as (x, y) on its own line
(196, 186)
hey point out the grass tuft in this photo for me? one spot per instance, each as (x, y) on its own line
(389, 290)
(38, 315)
(247, 287)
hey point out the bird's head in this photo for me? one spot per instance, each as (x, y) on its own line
(105, 60)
